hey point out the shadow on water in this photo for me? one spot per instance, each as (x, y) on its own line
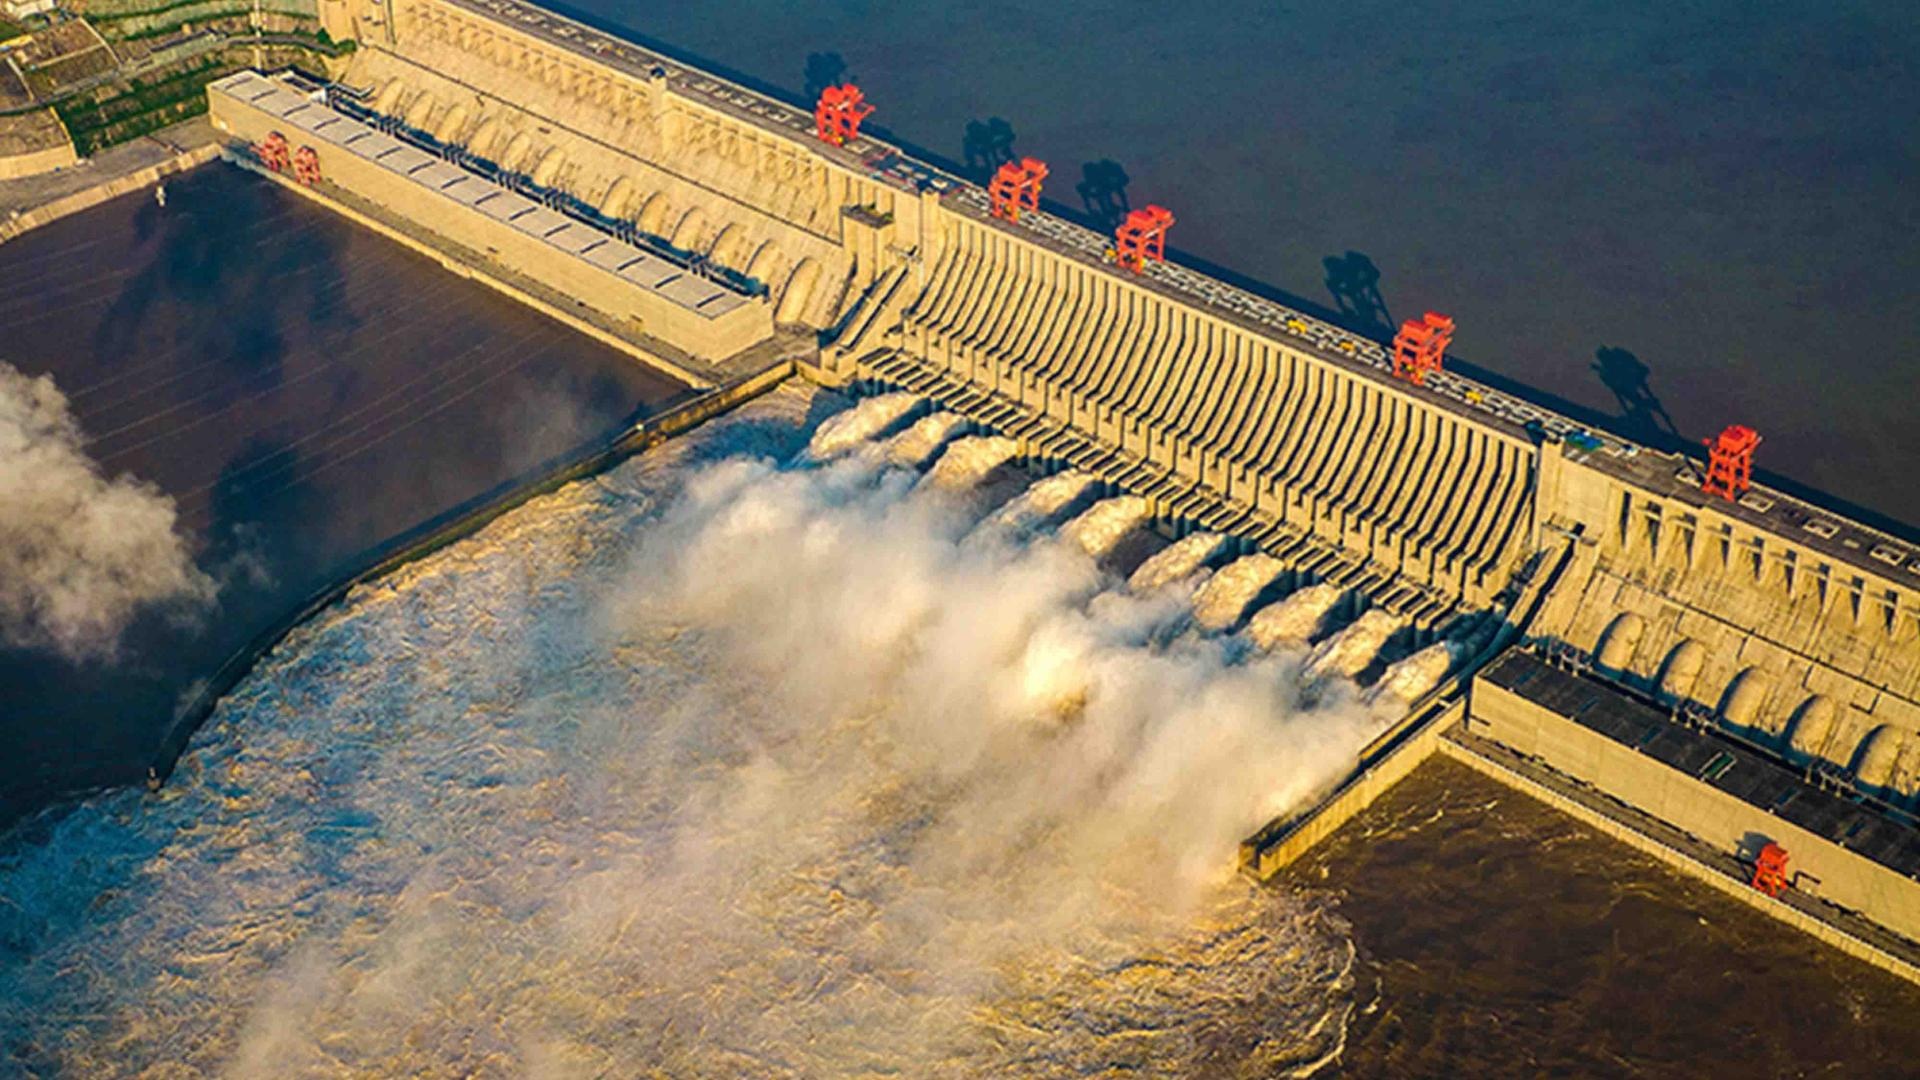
(987, 145)
(1641, 414)
(823, 69)
(1103, 193)
(240, 318)
(1354, 282)
(258, 491)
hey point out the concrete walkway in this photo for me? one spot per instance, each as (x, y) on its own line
(32, 201)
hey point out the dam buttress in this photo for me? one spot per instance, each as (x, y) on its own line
(720, 233)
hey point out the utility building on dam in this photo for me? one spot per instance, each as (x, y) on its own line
(720, 233)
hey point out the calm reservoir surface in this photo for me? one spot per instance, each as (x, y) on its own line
(302, 388)
(1723, 195)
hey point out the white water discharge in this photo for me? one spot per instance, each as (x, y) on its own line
(1100, 528)
(856, 426)
(1037, 505)
(968, 461)
(1348, 652)
(1293, 621)
(916, 446)
(709, 767)
(1406, 679)
(1177, 561)
(1226, 596)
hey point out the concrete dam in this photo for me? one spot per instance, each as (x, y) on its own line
(1705, 667)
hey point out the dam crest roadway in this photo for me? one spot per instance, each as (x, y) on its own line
(712, 231)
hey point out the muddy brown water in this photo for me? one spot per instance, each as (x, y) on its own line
(1498, 937)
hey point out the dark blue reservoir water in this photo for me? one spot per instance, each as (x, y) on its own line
(1673, 216)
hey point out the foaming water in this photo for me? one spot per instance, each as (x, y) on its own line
(1103, 525)
(1405, 680)
(1293, 621)
(709, 767)
(1348, 652)
(916, 446)
(1040, 502)
(1226, 596)
(967, 461)
(853, 427)
(1177, 561)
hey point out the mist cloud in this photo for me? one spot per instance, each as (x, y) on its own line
(713, 769)
(81, 554)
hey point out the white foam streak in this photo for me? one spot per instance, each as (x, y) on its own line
(1177, 561)
(1405, 680)
(1293, 621)
(1101, 527)
(867, 418)
(1348, 652)
(914, 447)
(1227, 594)
(1042, 499)
(968, 461)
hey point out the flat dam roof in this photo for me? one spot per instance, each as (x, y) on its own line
(1711, 759)
(573, 239)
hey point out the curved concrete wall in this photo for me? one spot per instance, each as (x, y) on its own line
(1403, 488)
(1361, 462)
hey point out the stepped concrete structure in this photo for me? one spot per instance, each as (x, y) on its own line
(1463, 514)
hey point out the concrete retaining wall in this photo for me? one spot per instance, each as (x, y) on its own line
(104, 192)
(1721, 820)
(1686, 864)
(1267, 852)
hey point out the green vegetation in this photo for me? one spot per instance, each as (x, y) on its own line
(10, 29)
(146, 105)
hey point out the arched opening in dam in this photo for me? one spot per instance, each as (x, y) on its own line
(906, 720)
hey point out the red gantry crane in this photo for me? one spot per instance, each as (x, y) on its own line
(1421, 346)
(837, 115)
(306, 166)
(1141, 237)
(1770, 870)
(273, 152)
(1730, 462)
(1016, 187)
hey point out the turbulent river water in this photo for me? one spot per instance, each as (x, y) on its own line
(731, 762)
(763, 755)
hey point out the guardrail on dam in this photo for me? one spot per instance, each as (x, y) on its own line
(1452, 508)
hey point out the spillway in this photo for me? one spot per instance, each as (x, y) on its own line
(1041, 502)
(1106, 523)
(1178, 561)
(968, 461)
(857, 425)
(1224, 599)
(1349, 651)
(1406, 679)
(916, 447)
(1294, 620)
